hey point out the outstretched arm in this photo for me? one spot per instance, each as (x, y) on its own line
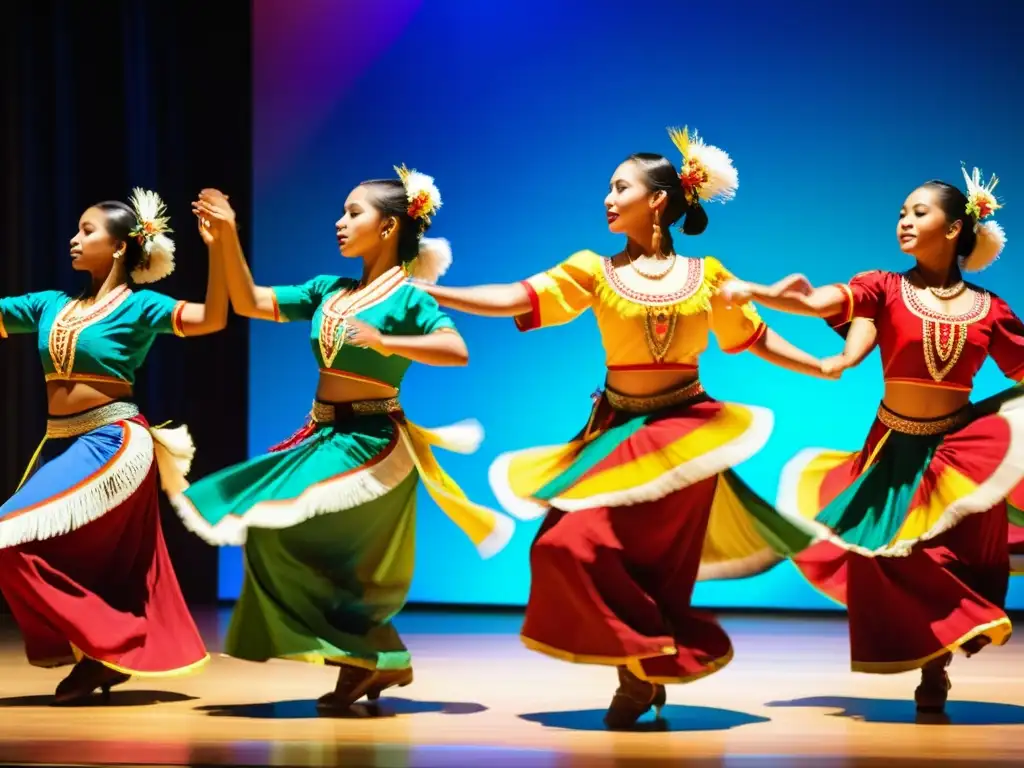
(247, 298)
(793, 294)
(860, 340)
(777, 351)
(509, 300)
(212, 315)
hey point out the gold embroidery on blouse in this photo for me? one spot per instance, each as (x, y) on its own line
(347, 303)
(68, 327)
(943, 336)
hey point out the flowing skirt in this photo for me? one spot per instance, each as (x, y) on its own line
(328, 523)
(912, 531)
(83, 563)
(640, 506)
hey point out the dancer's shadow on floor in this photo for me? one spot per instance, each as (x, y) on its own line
(673, 718)
(904, 711)
(119, 697)
(301, 709)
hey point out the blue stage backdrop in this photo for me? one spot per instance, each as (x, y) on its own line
(833, 112)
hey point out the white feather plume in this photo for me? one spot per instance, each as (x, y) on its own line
(990, 244)
(434, 259)
(723, 178)
(417, 184)
(157, 262)
(151, 226)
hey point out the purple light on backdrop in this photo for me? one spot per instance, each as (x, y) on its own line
(306, 54)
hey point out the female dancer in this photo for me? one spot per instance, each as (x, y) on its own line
(83, 564)
(643, 502)
(913, 527)
(331, 512)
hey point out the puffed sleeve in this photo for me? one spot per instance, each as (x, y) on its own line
(21, 314)
(562, 293)
(424, 316)
(737, 327)
(160, 313)
(863, 296)
(300, 302)
(1007, 344)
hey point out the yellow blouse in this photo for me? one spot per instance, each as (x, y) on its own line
(641, 331)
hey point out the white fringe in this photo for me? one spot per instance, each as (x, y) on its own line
(333, 495)
(987, 495)
(786, 499)
(106, 490)
(463, 437)
(174, 452)
(516, 506)
(701, 467)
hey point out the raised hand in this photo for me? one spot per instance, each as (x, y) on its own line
(204, 229)
(214, 211)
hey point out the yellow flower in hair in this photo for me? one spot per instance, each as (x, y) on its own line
(707, 172)
(421, 192)
(981, 199)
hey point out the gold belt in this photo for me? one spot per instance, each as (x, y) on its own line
(58, 427)
(649, 403)
(327, 413)
(922, 427)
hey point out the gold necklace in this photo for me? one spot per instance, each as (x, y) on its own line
(650, 275)
(950, 292)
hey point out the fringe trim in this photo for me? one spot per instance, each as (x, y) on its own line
(684, 475)
(174, 452)
(107, 489)
(346, 491)
(497, 476)
(987, 495)
(713, 275)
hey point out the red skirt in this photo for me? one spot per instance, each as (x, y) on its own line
(638, 508)
(913, 533)
(83, 563)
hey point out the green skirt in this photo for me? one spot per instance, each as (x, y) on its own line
(328, 528)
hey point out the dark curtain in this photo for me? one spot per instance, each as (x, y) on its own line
(100, 97)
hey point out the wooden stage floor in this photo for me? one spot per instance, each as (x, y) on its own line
(481, 699)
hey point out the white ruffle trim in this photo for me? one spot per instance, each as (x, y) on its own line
(103, 492)
(701, 467)
(346, 491)
(988, 494)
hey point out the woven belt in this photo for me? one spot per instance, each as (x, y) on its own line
(922, 427)
(328, 413)
(651, 403)
(58, 427)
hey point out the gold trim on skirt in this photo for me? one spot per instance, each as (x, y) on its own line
(58, 427)
(326, 413)
(922, 427)
(651, 403)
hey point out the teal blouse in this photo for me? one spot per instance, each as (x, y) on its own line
(109, 342)
(390, 303)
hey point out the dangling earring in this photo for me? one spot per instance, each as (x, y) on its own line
(118, 255)
(656, 237)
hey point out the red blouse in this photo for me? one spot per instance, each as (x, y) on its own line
(922, 346)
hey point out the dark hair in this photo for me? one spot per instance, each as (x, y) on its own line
(388, 197)
(953, 203)
(661, 174)
(120, 222)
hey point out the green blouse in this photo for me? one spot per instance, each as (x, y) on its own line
(390, 303)
(109, 342)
